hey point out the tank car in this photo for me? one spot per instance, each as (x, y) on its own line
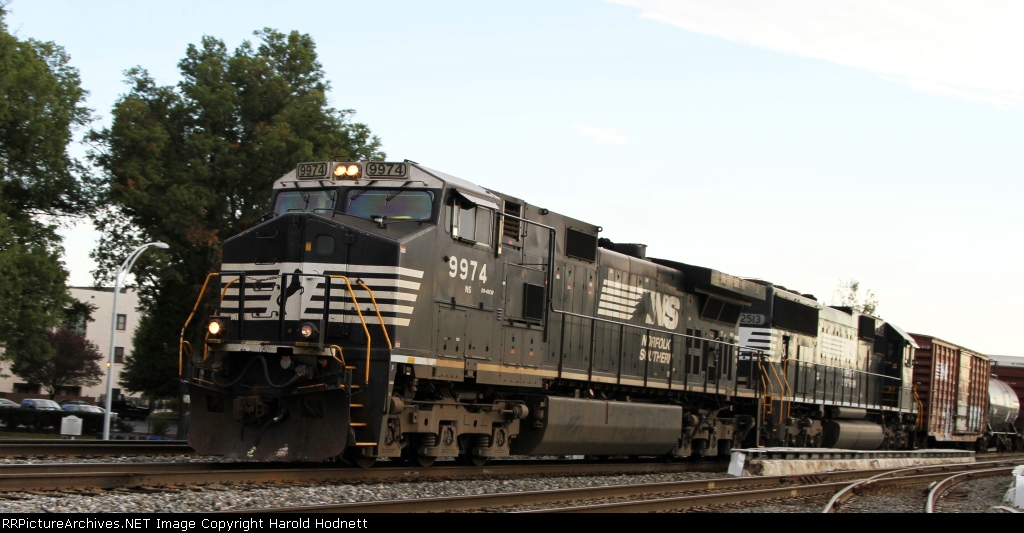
(389, 310)
(1009, 371)
(1003, 413)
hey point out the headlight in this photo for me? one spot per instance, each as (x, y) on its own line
(346, 171)
(308, 330)
(217, 326)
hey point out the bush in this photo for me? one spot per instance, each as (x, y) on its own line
(159, 426)
(122, 426)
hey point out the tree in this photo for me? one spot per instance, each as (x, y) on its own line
(849, 295)
(40, 107)
(75, 362)
(194, 164)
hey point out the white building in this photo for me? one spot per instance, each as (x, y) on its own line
(97, 331)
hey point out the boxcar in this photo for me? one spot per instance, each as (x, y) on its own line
(951, 383)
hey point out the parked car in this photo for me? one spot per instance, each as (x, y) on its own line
(82, 408)
(129, 410)
(41, 405)
(4, 402)
(74, 402)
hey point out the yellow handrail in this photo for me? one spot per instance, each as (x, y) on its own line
(361, 320)
(377, 309)
(788, 389)
(766, 383)
(920, 407)
(341, 353)
(181, 338)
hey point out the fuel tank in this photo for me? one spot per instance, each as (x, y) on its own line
(853, 435)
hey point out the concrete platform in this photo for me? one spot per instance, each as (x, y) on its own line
(796, 461)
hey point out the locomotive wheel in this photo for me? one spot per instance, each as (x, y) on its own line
(423, 460)
(360, 460)
(472, 459)
(409, 455)
(364, 461)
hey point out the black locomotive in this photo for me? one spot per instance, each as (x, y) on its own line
(385, 309)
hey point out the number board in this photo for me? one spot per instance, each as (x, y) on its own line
(751, 319)
(386, 170)
(311, 170)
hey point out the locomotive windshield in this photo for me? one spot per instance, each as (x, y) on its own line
(392, 204)
(308, 201)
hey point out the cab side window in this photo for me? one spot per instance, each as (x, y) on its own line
(471, 222)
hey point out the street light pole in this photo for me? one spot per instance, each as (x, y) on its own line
(124, 268)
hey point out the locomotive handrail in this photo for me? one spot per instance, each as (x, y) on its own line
(361, 320)
(649, 330)
(920, 407)
(839, 368)
(765, 384)
(787, 392)
(181, 338)
(765, 375)
(377, 309)
(654, 330)
(340, 352)
(223, 293)
(550, 282)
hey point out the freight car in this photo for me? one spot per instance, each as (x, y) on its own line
(963, 403)
(1007, 426)
(388, 310)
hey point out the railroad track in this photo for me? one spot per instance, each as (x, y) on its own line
(150, 476)
(682, 496)
(935, 484)
(721, 494)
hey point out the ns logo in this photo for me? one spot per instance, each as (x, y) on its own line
(660, 310)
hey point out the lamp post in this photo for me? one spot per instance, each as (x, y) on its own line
(123, 269)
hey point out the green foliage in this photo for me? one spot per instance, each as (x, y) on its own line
(40, 107)
(121, 426)
(32, 287)
(194, 164)
(159, 427)
(849, 295)
(75, 361)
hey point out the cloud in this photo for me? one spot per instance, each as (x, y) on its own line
(605, 135)
(958, 48)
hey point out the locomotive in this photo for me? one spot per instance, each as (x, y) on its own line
(389, 310)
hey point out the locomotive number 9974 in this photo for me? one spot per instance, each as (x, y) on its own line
(466, 269)
(386, 170)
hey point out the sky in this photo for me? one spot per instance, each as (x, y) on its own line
(802, 142)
